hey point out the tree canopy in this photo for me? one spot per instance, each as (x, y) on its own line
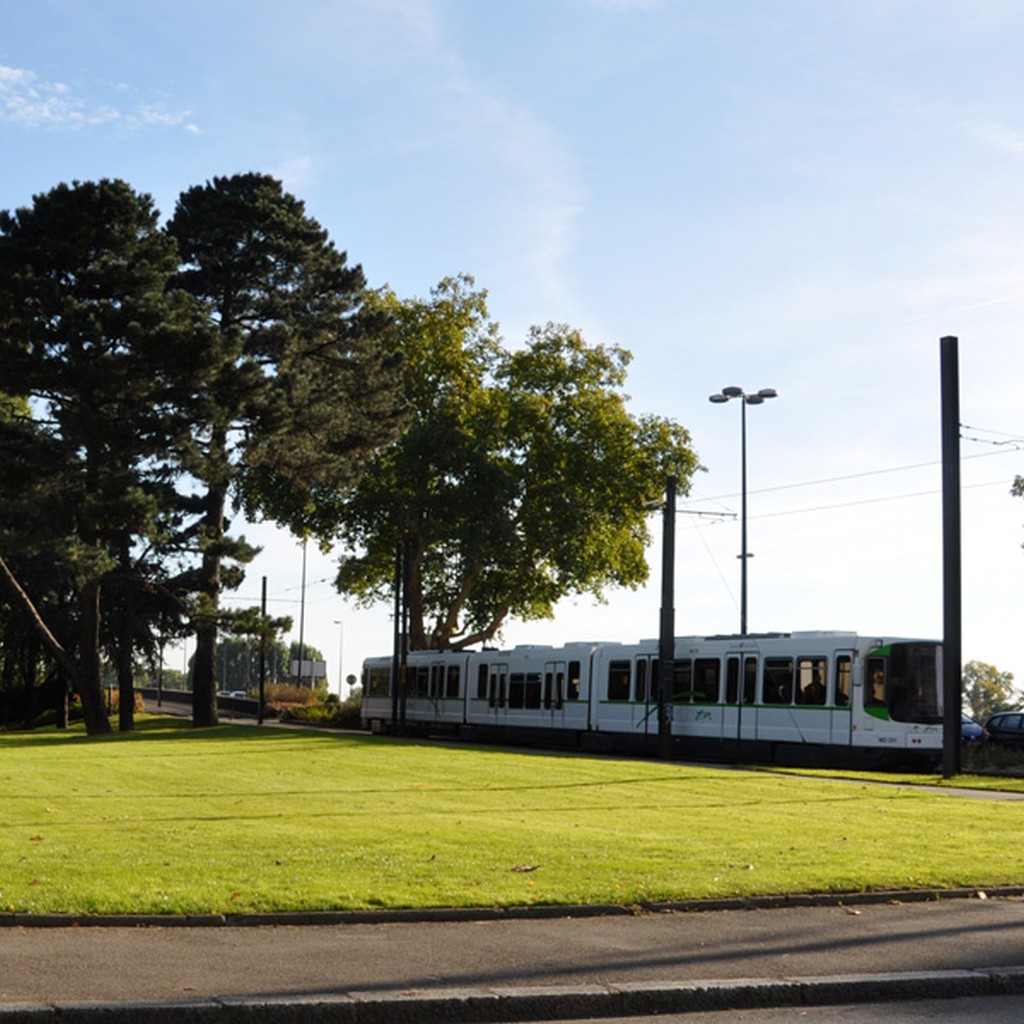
(522, 479)
(292, 390)
(158, 378)
(87, 327)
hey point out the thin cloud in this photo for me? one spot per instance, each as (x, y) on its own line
(999, 136)
(625, 6)
(27, 100)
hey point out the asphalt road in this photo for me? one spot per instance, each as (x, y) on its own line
(504, 967)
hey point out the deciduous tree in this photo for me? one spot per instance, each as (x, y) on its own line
(987, 691)
(522, 479)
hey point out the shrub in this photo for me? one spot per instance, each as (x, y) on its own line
(341, 715)
(992, 758)
(284, 693)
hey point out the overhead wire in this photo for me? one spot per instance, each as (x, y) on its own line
(1010, 443)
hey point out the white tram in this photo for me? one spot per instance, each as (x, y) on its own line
(802, 697)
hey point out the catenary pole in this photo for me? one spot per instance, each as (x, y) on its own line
(951, 558)
(667, 624)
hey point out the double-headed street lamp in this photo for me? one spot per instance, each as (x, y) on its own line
(755, 399)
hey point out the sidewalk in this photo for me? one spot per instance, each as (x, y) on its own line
(513, 966)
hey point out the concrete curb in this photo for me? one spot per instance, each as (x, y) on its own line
(449, 914)
(518, 1005)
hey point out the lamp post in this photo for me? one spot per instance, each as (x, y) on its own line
(340, 623)
(757, 398)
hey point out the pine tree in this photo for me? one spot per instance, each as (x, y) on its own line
(292, 394)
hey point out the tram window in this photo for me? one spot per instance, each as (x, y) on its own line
(533, 689)
(452, 687)
(911, 684)
(682, 681)
(706, 680)
(481, 681)
(516, 690)
(641, 680)
(380, 682)
(778, 681)
(421, 685)
(811, 680)
(573, 690)
(496, 690)
(874, 684)
(559, 690)
(844, 670)
(732, 680)
(548, 681)
(618, 680)
(437, 680)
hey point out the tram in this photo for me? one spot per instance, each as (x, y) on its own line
(806, 698)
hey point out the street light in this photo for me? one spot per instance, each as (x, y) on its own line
(755, 399)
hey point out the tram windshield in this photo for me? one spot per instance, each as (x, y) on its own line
(903, 682)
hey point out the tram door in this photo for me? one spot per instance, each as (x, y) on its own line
(554, 693)
(841, 698)
(497, 692)
(645, 695)
(740, 721)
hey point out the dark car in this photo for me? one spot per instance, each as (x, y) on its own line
(970, 731)
(1006, 728)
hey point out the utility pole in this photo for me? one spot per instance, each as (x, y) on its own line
(951, 558)
(667, 624)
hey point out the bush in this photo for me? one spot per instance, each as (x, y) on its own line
(341, 715)
(114, 700)
(284, 693)
(992, 759)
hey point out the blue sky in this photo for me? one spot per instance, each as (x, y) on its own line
(791, 194)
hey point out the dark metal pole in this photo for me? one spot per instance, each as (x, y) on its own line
(743, 515)
(666, 632)
(396, 654)
(951, 560)
(264, 630)
(406, 569)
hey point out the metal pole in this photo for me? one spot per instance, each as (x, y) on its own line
(743, 515)
(396, 652)
(951, 562)
(406, 570)
(757, 398)
(666, 632)
(302, 616)
(263, 652)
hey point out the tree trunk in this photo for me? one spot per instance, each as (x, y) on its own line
(125, 688)
(85, 678)
(125, 649)
(90, 679)
(204, 669)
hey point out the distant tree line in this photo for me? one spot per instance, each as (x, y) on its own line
(238, 665)
(160, 378)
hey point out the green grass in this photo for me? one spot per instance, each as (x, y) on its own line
(240, 819)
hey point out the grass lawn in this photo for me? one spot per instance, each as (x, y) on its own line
(243, 818)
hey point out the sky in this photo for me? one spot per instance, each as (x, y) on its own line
(791, 194)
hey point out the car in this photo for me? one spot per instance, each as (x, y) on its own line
(970, 731)
(1007, 728)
